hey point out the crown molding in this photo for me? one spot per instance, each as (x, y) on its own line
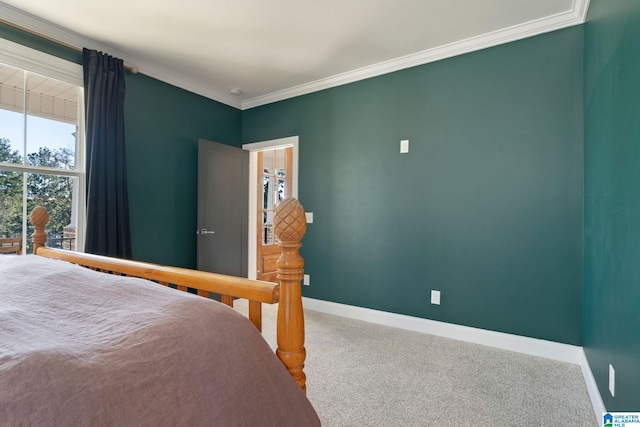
(581, 7)
(575, 16)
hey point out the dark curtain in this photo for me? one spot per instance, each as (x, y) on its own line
(108, 230)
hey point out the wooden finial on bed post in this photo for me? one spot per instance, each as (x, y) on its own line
(289, 226)
(39, 218)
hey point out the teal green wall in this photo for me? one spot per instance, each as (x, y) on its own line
(162, 127)
(486, 207)
(612, 199)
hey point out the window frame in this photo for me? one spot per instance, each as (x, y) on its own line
(34, 61)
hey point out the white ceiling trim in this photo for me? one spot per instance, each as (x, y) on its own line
(575, 16)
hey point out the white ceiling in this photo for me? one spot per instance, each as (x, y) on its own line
(276, 49)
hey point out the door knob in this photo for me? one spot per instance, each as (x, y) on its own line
(204, 231)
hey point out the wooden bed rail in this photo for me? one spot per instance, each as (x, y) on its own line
(229, 287)
(235, 287)
(289, 228)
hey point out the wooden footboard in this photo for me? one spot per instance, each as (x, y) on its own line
(289, 226)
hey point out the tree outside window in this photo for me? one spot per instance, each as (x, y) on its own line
(38, 148)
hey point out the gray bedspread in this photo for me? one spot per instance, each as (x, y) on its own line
(80, 348)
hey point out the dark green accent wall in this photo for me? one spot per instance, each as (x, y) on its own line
(486, 207)
(612, 199)
(162, 127)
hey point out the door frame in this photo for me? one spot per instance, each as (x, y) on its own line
(254, 148)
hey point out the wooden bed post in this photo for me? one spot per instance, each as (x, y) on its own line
(39, 218)
(289, 226)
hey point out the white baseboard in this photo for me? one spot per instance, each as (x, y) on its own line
(531, 346)
(592, 387)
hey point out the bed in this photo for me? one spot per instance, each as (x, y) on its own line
(81, 347)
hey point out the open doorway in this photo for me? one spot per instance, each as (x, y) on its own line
(273, 176)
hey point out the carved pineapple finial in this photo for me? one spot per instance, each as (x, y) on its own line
(39, 218)
(289, 226)
(290, 223)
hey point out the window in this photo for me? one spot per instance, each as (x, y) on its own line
(274, 188)
(41, 146)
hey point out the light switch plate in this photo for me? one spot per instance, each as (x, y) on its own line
(435, 297)
(404, 146)
(309, 216)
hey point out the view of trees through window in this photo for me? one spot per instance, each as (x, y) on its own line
(51, 191)
(38, 130)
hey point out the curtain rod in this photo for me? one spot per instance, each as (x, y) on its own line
(131, 68)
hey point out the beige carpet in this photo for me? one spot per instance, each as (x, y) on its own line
(362, 374)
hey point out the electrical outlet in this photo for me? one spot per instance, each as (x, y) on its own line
(306, 280)
(435, 297)
(612, 381)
